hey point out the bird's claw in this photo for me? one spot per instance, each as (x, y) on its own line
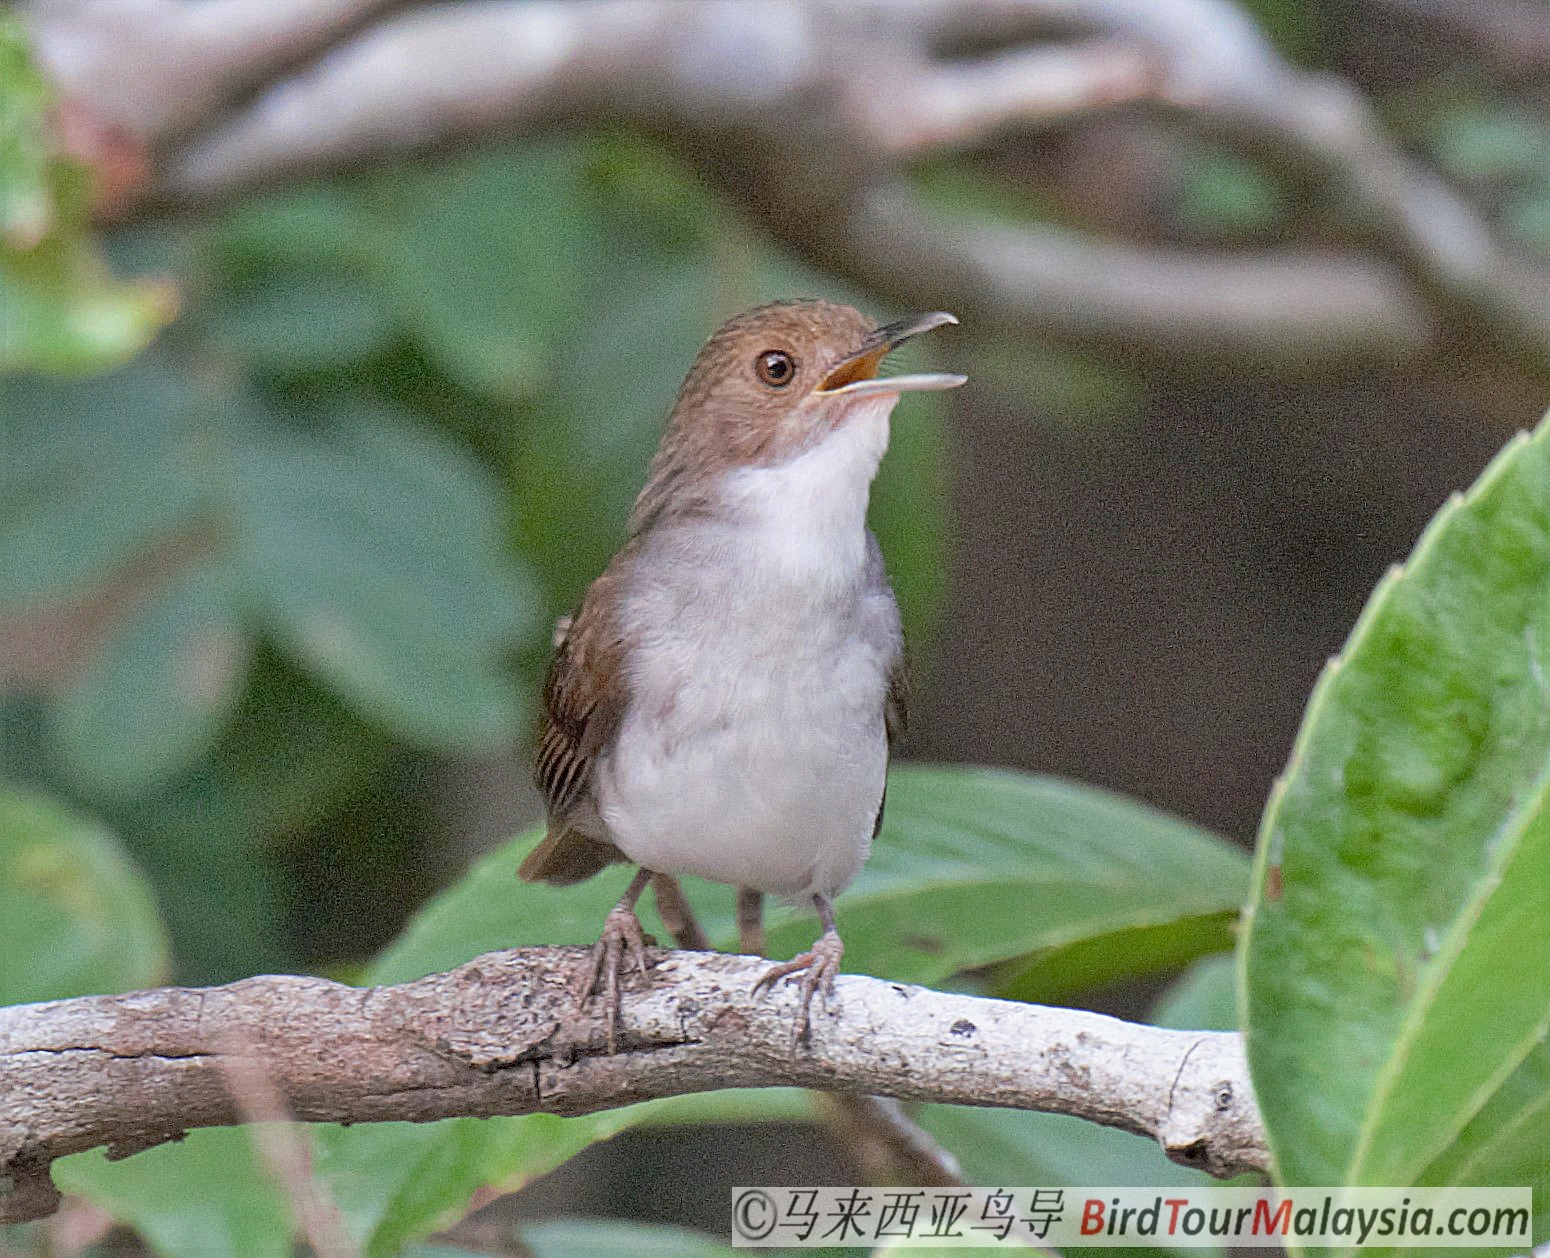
(622, 943)
(818, 967)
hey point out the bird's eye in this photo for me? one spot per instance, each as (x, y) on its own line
(776, 368)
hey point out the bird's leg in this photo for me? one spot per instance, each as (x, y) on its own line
(621, 943)
(750, 921)
(673, 908)
(818, 967)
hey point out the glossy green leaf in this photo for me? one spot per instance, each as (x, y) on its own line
(158, 692)
(1397, 924)
(1056, 975)
(76, 918)
(980, 866)
(377, 564)
(397, 1182)
(205, 1196)
(974, 866)
(1010, 1148)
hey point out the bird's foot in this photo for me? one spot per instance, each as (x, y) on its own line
(818, 969)
(622, 943)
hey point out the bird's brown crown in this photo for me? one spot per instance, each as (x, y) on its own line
(751, 395)
(752, 376)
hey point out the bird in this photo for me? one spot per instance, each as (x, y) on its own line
(723, 702)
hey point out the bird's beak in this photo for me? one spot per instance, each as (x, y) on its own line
(857, 376)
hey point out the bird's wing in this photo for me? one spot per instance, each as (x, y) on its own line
(896, 707)
(582, 706)
(891, 633)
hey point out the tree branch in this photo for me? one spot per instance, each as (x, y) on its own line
(161, 68)
(803, 111)
(495, 1037)
(816, 104)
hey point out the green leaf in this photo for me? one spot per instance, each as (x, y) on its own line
(292, 755)
(205, 1196)
(1400, 896)
(377, 562)
(997, 863)
(60, 307)
(1503, 1143)
(973, 866)
(1488, 143)
(396, 1182)
(314, 226)
(76, 918)
(96, 472)
(1059, 974)
(298, 321)
(1205, 998)
(1011, 1148)
(596, 1238)
(981, 866)
(159, 691)
(482, 255)
(1014, 1147)
(586, 443)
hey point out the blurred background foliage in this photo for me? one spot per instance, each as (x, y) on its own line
(274, 568)
(293, 485)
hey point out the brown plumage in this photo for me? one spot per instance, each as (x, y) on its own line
(725, 698)
(721, 419)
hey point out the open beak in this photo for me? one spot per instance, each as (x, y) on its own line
(857, 376)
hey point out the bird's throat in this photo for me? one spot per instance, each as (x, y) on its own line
(809, 511)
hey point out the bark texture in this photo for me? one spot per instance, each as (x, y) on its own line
(497, 1036)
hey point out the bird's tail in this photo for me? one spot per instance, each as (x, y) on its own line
(567, 856)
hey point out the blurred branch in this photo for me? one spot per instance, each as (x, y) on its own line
(803, 110)
(961, 103)
(884, 1143)
(1511, 36)
(282, 1148)
(159, 68)
(498, 1036)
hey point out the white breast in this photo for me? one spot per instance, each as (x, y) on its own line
(753, 750)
